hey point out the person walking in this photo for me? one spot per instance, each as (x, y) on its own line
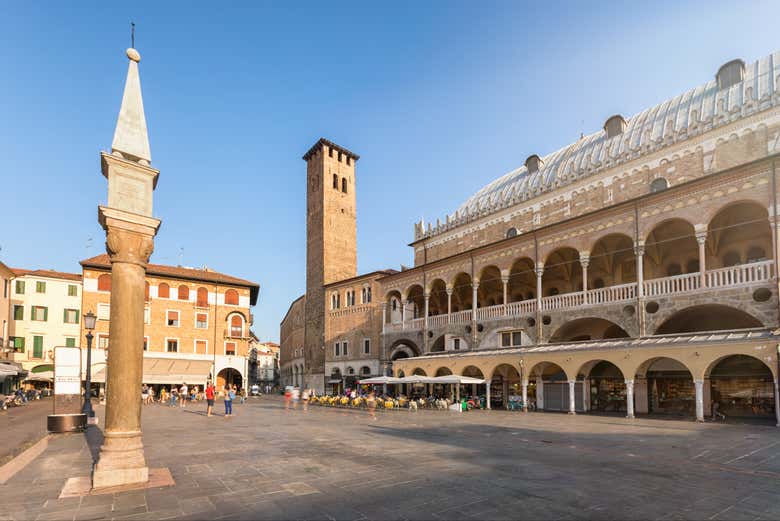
(371, 403)
(296, 395)
(305, 398)
(209, 397)
(183, 395)
(151, 394)
(287, 399)
(229, 395)
(145, 394)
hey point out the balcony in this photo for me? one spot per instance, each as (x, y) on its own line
(689, 283)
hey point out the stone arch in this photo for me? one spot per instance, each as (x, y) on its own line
(612, 261)
(473, 372)
(588, 328)
(491, 289)
(669, 249)
(739, 233)
(443, 371)
(707, 317)
(403, 348)
(437, 303)
(394, 302)
(605, 386)
(562, 272)
(414, 301)
(742, 386)
(522, 280)
(438, 344)
(461, 292)
(665, 386)
(229, 375)
(504, 380)
(419, 371)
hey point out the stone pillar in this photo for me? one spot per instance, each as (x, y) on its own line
(777, 404)
(449, 304)
(539, 272)
(701, 238)
(699, 399)
(584, 262)
(572, 402)
(525, 395)
(505, 283)
(539, 393)
(129, 242)
(487, 394)
(403, 313)
(474, 297)
(639, 252)
(630, 398)
(384, 317)
(427, 297)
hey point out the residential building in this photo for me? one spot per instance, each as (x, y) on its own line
(6, 286)
(263, 362)
(633, 270)
(196, 323)
(45, 312)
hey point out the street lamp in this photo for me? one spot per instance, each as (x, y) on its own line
(89, 325)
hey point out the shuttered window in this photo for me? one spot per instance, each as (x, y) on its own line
(231, 297)
(172, 345)
(73, 291)
(40, 287)
(230, 348)
(184, 292)
(164, 290)
(203, 298)
(70, 316)
(236, 326)
(70, 342)
(20, 287)
(173, 318)
(104, 282)
(37, 347)
(39, 313)
(18, 312)
(201, 320)
(201, 346)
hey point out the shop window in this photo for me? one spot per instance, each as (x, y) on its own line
(104, 282)
(511, 339)
(172, 318)
(184, 292)
(164, 290)
(231, 297)
(172, 345)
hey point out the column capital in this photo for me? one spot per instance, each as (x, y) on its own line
(129, 237)
(584, 260)
(701, 236)
(539, 270)
(427, 295)
(504, 278)
(639, 248)
(475, 284)
(450, 290)
(629, 382)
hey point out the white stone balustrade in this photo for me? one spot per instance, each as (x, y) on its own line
(733, 276)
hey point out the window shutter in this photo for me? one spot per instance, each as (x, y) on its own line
(77, 316)
(45, 314)
(65, 316)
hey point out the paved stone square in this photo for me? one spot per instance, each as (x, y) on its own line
(267, 463)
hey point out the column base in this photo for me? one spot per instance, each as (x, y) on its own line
(572, 413)
(630, 416)
(121, 462)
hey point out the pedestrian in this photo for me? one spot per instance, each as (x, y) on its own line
(174, 397)
(145, 394)
(229, 395)
(296, 394)
(287, 398)
(371, 403)
(163, 395)
(305, 398)
(183, 395)
(151, 394)
(209, 397)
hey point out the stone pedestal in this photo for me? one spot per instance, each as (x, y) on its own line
(129, 242)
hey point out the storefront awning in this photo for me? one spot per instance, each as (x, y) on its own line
(8, 370)
(169, 371)
(43, 376)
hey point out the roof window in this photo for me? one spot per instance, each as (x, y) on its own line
(533, 163)
(615, 126)
(730, 74)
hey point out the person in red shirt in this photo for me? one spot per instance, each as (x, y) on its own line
(209, 397)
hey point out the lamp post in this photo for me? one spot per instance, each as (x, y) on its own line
(89, 325)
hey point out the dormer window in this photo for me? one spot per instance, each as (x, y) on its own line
(533, 163)
(511, 232)
(615, 126)
(730, 74)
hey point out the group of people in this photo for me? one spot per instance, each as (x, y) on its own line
(180, 396)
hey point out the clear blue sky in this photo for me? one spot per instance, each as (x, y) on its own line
(438, 98)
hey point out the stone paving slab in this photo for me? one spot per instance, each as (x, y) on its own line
(268, 463)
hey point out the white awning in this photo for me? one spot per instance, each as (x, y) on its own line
(43, 376)
(379, 380)
(168, 371)
(416, 379)
(8, 370)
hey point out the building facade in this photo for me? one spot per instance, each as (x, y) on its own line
(263, 362)
(44, 312)
(196, 323)
(6, 280)
(634, 270)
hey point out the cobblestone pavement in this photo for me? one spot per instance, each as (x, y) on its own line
(266, 463)
(22, 426)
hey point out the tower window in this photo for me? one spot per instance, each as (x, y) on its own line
(659, 185)
(330, 152)
(344, 184)
(349, 160)
(339, 157)
(335, 182)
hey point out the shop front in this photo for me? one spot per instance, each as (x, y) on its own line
(607, 388)
(670, 389)
(742, 386)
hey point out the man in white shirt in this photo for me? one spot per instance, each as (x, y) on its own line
(183, 395)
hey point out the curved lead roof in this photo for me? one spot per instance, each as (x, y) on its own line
(698, 109)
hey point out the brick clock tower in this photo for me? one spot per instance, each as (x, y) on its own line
(331, 243)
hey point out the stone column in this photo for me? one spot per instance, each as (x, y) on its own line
(777, 404)
(539, 272)
(525, 395)
(505, 283)
(129, 243)
(699, 399)
(701, 238)
(539, 393)
(403, 314)
(572, 402)
(427, 297)
(449, 303)
(630, 398)
(584, 262)
(487, 393)
(474, 297)
(639, 252)
(384, 317)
